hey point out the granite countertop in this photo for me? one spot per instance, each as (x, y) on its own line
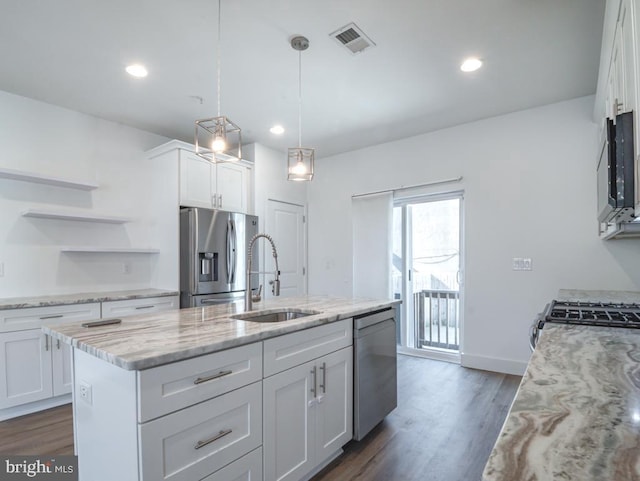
(82, 298)
(576, 415)
(149, 340)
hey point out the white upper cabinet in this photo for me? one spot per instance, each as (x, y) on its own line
(214, 186)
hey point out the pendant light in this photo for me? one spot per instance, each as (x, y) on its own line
(300, 159)
(218, 139)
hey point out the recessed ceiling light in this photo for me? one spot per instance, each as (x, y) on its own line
(277, 129)
(137, 70)
(471, 64)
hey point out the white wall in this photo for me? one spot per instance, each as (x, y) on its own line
(42, 138)
(270, 176)
(529, 191)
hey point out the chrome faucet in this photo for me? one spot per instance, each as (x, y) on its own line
(275, 284)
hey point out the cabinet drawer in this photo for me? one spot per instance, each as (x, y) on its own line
(197, 441)
(290, 350)
(35, 317)
(131, 307)
(247, 468)
(171, 387)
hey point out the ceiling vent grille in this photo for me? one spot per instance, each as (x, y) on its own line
(352, 38)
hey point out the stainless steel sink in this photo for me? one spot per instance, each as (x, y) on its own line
(279, 315)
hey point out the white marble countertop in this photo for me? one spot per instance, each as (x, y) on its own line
(148, 340)
(575, 295)
(576, 415)
(81, 298)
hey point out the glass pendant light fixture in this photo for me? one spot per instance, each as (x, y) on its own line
(218, 139)
(300, 159)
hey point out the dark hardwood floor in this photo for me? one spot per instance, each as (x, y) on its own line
(46, 432)
(447, 420)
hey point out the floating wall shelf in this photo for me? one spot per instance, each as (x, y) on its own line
(76, 216)
(45, 179)
(111, 250)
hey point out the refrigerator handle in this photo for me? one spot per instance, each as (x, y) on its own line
(234, 250)
(228, 256)
(193, 258)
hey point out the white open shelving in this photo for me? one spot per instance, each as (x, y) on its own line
(110, 250)
(46, 179)
(75, 216)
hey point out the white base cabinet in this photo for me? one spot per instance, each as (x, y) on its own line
(308, 399)
(37, 368)
(308, 415)
(216, 417)
(26, 369)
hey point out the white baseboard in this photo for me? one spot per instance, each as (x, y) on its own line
(16, 411)
(507, 366)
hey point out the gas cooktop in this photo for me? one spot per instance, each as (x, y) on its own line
(594, 314)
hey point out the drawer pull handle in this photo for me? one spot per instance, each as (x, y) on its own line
(56, 316)
(221, 434)
(144, 307)
(200, 380)
(323, 386)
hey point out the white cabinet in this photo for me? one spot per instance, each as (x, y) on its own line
(35, 366)
(307, 415)
(26, 368)
(131, 307)
(61, 367)
(195, 419)
(223, 185)
(195, 442)
(308, 399)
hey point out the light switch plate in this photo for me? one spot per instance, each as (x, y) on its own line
(522, 264)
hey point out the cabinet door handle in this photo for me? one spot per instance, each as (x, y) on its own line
(314, 389)
(220, 200)
(144, 307)
(200, 380)
(221, 434)
(56, 316)
(46, 342)
(324, 377)
(58, 343)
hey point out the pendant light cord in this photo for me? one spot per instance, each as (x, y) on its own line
(299, 98)
(218, 57)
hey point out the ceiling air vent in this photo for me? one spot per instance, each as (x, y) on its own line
(353, 38)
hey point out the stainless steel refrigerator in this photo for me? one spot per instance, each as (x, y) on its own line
(213, 255)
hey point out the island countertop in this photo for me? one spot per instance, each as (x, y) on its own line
(145, 341)
(577, 412)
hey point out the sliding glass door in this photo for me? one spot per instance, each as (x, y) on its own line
(426, 272)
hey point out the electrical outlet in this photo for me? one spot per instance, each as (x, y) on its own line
(126, 268)
(526, 264)
(85, 391)
(1, 269)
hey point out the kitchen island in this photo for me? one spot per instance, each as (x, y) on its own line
(192, 394)
(576, 415)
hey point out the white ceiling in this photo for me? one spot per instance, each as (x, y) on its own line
(72, 53)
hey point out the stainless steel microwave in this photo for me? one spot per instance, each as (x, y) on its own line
(616, 177)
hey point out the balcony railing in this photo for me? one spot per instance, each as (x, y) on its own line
(436, 315)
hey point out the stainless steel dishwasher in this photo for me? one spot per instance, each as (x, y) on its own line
(375, 370)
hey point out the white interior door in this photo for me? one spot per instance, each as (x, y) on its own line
(286, 224)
